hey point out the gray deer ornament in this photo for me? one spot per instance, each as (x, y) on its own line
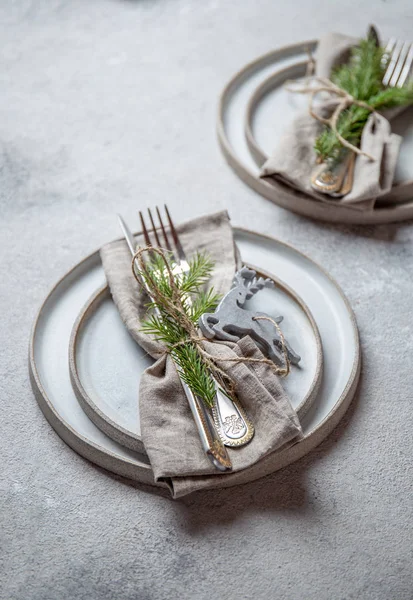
(231, 321)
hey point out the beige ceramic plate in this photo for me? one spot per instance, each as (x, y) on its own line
(251, 117)
(105, 372)
(52, 329)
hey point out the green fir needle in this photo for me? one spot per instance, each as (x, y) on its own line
(362, 78)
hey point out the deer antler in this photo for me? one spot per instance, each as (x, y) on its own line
(267, 282)
(243, 276)
(259, 284)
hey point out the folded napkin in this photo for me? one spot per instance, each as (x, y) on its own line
(294, 158)
(168, 431)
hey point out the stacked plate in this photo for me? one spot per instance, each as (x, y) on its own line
(85, 368)
(254, 111)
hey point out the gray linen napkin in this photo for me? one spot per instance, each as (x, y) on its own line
(294, 158)
(169, 434)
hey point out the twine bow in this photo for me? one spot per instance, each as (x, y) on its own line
(172, 306)
(345, 100)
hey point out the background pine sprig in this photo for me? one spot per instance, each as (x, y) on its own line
(168, 331)
(362, 78)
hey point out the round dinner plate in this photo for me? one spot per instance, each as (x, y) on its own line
(50, 374)
(254, 111)
(106, 366)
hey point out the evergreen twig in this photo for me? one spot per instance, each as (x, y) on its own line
(184, 352)
(362, 78)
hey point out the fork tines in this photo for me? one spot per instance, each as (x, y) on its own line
(399, 64)
(155, 231)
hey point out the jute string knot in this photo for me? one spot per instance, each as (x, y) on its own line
(344, 101)
(173, 306)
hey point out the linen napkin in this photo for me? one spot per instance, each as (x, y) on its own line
(168, 431)
(294, 158)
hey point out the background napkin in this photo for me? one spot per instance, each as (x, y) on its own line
(294, 158)
(168, 430)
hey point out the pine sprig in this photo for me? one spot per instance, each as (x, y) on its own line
(203, 302)
(168, 331)
(199, 272)
(362, 78)
(195, 373)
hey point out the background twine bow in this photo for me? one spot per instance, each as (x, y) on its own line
(344, 100)
(172, 307)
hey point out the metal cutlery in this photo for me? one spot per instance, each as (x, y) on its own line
(233, 425)
(400, 63)
(210, 440)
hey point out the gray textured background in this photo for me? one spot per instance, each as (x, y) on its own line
(109, 105)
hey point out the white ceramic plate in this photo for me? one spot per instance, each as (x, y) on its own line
(50, 370)
(106, 364)
(246, 142)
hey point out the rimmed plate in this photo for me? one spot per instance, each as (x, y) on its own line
(105, 369)
(249, 125)
(50, 377)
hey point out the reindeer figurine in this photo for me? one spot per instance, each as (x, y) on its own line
(231, 321)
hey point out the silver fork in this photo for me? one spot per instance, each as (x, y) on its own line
(210, 440)
(337, 181)
(400, 63)
(233, 426)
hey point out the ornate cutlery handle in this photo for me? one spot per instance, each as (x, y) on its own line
(233, 425)
(210, 440)
(335, 179)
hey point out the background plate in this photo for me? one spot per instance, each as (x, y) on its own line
(276, 108)
(50, 371)
(273, 113)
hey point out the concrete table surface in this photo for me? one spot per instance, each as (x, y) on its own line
(109, 105)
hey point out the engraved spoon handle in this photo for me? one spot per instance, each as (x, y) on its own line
(232, 422)
(330, 178)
